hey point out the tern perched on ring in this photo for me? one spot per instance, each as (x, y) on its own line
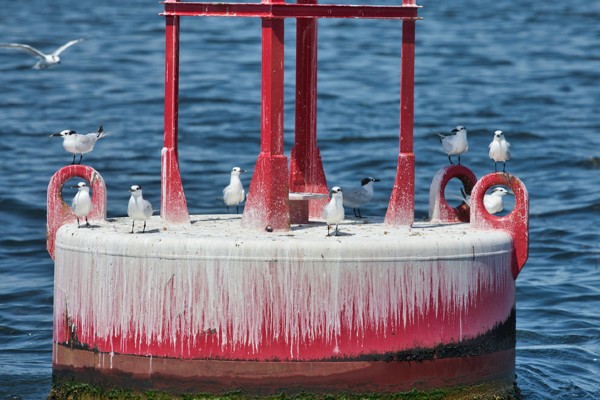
(454, 143)
(499, 150)
(81, 144)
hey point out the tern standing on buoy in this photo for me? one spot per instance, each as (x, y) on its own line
(234, 193)
(44, 60)
(82, 202)
(454, 143)
(76, 143)
(493, 202)
(333, 212)
(138, 209)
(499, 150)
(359, 197)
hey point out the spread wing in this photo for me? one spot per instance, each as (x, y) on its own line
(66, 46)
(24, 47)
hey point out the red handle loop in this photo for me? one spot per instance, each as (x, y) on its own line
(59, 213)
(439, 209)
(516, 222)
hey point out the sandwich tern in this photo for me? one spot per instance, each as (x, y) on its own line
(76, 143)
(493, 202)
(82, 202)
(138, 209)
(333, 212)
(499, 150)
(455, 142)
(357, 198)
(44, 60)
(234, 194)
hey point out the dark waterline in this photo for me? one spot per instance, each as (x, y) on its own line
(530, 68)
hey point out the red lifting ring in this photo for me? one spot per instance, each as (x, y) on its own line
(59, 212)
(516, 222)
(439, 209)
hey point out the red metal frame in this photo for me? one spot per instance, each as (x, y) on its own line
(173, 206)
(306, 168)
(268, 200)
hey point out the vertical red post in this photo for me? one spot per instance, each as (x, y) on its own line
(402, 202)
(173, 206)
(267, 203)
(306, 167)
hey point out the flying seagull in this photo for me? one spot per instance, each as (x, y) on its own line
(44, 60)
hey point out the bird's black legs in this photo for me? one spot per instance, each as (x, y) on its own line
(504, 167)
(495, 166)
(73, 162)
(449, 159)
(132, 224)
(144, 230)
(78, 223)
(227, 209)
(80, 158)
(237, 210)
(328, 226)
(357, 212)
(86, 222)
(459, 159)
(336, 229)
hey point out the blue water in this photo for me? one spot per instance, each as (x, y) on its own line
(531, 69)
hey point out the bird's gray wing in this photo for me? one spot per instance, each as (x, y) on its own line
(148, 209)
(354, 198)
(24, 47)
(66, 46)
(86, 141)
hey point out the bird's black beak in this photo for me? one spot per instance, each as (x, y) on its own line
(242, 170)
(55, 134)
(376, 180)
(74, 187)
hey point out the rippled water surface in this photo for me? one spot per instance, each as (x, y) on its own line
(531, 69)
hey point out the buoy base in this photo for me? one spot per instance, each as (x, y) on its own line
(252, 378)
(215, 308)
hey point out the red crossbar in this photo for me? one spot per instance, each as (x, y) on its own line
(291, 10)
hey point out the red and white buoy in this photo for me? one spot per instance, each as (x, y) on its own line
(224, 304)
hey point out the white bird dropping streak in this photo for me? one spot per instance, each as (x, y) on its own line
(44, 60)
(357, 198)
(138, 209)
(234, 194)
(454, 143)
(333, 212)
(82, 202)
(499, 150)
(76, 143)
